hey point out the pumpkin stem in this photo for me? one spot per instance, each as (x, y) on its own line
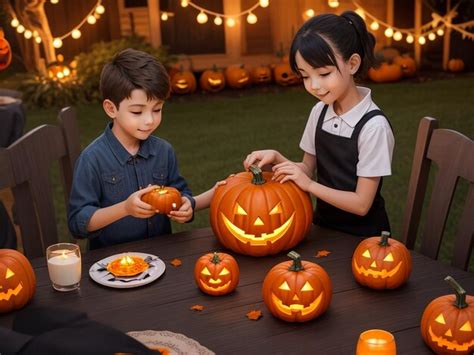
(215, 258)
(296, 266)
(257, 175)
(384, 239)
(214, 67)
(460, 292)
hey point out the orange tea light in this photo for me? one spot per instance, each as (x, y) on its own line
(376, 342)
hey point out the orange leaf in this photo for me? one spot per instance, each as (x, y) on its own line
(322, 253)
(176, 262)
(254, 314)
(197, 307)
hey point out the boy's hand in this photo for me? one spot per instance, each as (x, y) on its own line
(290, 171)
(134, 206)
(185, 212)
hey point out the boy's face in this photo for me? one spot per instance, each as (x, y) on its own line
(136, 118)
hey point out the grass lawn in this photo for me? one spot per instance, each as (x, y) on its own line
(213, 134)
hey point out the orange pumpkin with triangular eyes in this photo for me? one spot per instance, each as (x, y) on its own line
(447, 324)
(5, 52)
(17, 280)
(381, 263)
(216, 273)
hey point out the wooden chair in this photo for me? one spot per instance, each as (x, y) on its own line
(453, 153)
(31, 158)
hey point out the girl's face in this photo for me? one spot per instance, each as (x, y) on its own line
(328, 84)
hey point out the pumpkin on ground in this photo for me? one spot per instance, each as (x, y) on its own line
(5, 52)
(456, 65)
(381, 263)
(284, 76)
(212, 80)
(17, 280)
(387, 54)
(297, 290)
(183, 82)
(237, 77)
(407, 64)
(447, 324)
(163, 199)
(261, 75)
(216, 273)
(386, 73)
(253, 215)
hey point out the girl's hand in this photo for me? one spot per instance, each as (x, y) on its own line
(185, 212)
(290, 171)
(134, 206)
(263, 157)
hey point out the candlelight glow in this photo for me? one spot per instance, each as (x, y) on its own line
(126, 260)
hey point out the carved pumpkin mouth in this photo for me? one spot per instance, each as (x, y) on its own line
(252, 238)
(182, 84)
(215, 288)
(450, 345)
(5, 296)
(296, 307)
(243, 80)
(4, 57)
(376, 274)
(214, 82)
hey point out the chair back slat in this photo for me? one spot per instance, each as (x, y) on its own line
(6, 171)
(465, 236)
(68, 123)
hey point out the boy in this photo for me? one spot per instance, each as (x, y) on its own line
(122, 164)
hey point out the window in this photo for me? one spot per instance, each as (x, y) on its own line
(136, 3)
(257, 37)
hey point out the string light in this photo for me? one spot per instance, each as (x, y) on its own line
(57, 43)
(251, 18)
(361, 13)
(76, 34)
(201, 18)
(264, 3)
(28, 34)
(431, 36)
(218, 20)
(410, 39)
(389, 32)
(374, 26)
(309, 13)
(100, 9)
(184, 3)
(14, 22)
(164, 16)
(440, 32)
(230, 22)
(20, 29)
(91, 19)
(397, 36)
(421, 40)
(38, 39)
(54, 2)
(333, 3)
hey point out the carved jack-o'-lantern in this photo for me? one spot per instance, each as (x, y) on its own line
(297, 291)
(253, 215)
(216, 273)
(386, 73)
(455, 65)
(163, 199)
(237, 77)
(183, 82)
(381, 263)
(212, 80)
(447, 324)
(261, 75)
(5, 52)
(17, 280)
(284, 76)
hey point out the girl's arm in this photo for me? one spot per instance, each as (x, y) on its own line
(203, 200)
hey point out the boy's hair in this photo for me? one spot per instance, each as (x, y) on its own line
(131, 69)
(347, 33)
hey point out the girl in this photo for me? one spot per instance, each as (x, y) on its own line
(347, 139)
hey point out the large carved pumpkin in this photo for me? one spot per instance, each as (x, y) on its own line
(212, 80)
(456, 65)
(163, 199)
(17, 280)
(297, 290)
(5, 52)
(253, 215)
(447, 324)
(284, 76)
(183, 82)
(407, 64)
(237, 77)
(216, 273)
(381, 263)
(386, 73)
(261, 75)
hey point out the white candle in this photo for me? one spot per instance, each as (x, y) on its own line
(65, 268)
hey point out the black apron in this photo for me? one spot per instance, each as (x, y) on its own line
(336, 159)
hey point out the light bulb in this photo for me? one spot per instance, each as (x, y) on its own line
(309, 12)
(184, 3)
(410, 39)
(91, 19)
(57, 43)
(76, 34)
(218, 20)
(66, 71)
(360, 12)
(422, 40)
(432, 36)
(201, 18)
(374, 26)
(60, 75)
(440, 32)
(14, 22)
(230, 22)
(28, 34)
(54, 1)
(38, 40)
(251, 18)
(164, 16)
(388, 32)
(20, 29)
(333, 3)
(397, 36)
(264, 3)
(100, 9)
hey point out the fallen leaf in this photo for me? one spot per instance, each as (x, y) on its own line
(197, 307)
(176, 262)
(322, 253)
(254, 315)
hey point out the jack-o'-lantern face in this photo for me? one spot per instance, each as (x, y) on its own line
(216, 274)
(378, 270)
(457, 336)
(183, 82)
(261, 75)
(212, 80)
(14, 286)
(5, 52)
(215, 281)
(289, 300)
(284, 75)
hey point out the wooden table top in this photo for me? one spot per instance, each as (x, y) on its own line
(223, 326)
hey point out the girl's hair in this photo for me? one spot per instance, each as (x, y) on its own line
(346, 33)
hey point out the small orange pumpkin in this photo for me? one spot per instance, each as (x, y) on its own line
(386, 73)
(5, 52)
(212, 80)
(447, 324)
(17, 280)
(261, 75)
(237, 77)
(407, 64)
(163, 199)
(284, 76)
(297, 290)
(388, 54)
(216, 273)
(381, 263)
(183, 82)
(456, 65)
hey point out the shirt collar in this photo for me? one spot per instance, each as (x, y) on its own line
(121, 154)
(353, 116)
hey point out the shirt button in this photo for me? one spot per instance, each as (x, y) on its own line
(335, 125)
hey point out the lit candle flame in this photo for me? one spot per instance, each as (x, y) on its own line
(375, 341)
(126, 260)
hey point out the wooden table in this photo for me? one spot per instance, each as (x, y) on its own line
(223, 326)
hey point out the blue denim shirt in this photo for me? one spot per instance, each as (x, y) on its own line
(106, 174)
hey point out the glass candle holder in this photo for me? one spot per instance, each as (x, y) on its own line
(376, 342)
(64, 266)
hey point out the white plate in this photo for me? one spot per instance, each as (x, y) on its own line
(156, 269)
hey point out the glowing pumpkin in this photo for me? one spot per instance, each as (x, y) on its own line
(17, 280)
(212, 80)
(253, 215)
(381, 263)
(407, 64)
(261, 75)
(216, 273)
(456, 65)
(297, 290)
(183, 82)
(5, 52)
(284, 76)
(386, 73)
(237, 77)
(447, 324)
(163, 199)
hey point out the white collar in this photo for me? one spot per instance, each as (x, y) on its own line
(353, 116)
